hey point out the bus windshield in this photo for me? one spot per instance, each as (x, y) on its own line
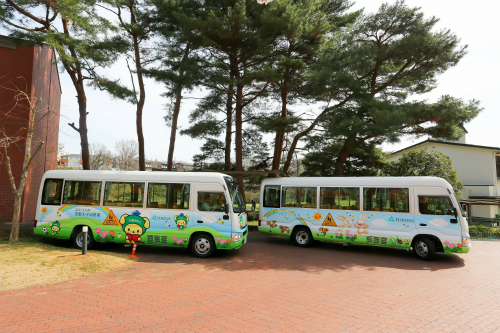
(236, 198)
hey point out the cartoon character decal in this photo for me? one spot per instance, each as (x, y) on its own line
(55, 227)
(346, 223)
(323, 231)
(361, 224)
(134, 226)
(181, 221)
(272, 224)
(241, 222)
(284, 230)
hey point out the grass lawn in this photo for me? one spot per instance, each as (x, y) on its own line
(33, 261)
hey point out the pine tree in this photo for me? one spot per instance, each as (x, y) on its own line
(369, 72)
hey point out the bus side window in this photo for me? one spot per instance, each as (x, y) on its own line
(272, 196)
(78, 192)
(386, 199)
(123, 194)
(211, 201)
(168, 196)
(51, 194)
(435, 205)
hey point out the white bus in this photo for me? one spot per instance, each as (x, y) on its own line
(201, 211)
(419, 213)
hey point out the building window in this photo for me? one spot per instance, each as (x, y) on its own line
(498, 166)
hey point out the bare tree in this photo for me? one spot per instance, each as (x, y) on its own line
(100, 157)
(24, 104)
(127, 155)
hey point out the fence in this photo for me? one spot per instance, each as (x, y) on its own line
(485, 235)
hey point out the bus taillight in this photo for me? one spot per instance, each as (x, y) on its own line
(259, 223)
(34, 224)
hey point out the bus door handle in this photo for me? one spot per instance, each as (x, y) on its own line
(225, 217)
(199, 221)
(453, 221)
(423, 225)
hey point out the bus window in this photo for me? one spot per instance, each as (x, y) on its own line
(78, 192)
(51, 194)
(386, 199)
(168, 196)
(431, 205)
(123, 194)
(211, 201)
(302, 197)
(346, 198)
(272, 195)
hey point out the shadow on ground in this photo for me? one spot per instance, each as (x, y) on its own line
(264, 252)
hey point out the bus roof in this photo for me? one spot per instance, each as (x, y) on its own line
(173, 176)
(359, 181)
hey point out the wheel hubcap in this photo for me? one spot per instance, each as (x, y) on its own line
(79, 239)
(202, 245)
(422, 249)
(302, 237)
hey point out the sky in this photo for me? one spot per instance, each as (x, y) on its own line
(475, 77)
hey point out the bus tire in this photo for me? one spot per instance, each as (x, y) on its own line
(78, 238)
(203, 246)
(424, 248)
(302, 237)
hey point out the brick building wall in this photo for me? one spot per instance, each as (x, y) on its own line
(33, 69)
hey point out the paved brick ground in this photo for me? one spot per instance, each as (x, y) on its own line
(271, 285)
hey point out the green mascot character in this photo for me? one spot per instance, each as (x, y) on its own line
(55, 227)
(134, 226)
(181, 221)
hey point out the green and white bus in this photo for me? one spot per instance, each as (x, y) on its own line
(419, 213)
(200, 211)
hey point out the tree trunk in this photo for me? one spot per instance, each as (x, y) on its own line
(229, 125)
(14, 231)
(175, 116)
(82, 130)
(173, 131)
(342, 158)
(140, 104)
(280, 133)
(239, 137)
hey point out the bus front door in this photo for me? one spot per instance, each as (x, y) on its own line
(435, 215)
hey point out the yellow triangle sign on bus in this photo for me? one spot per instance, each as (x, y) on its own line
(111, 219)
(329, 221)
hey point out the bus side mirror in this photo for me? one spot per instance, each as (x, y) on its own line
(455, 212)
(226, 208)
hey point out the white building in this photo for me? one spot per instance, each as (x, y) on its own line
(478, 168)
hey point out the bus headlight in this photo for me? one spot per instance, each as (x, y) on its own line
(235, 237)
(465, 241)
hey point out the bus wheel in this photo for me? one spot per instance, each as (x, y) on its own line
(203, 246)
(78, 239)
(302, 237)
(424, 248)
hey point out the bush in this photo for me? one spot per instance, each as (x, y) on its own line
(481, 228)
